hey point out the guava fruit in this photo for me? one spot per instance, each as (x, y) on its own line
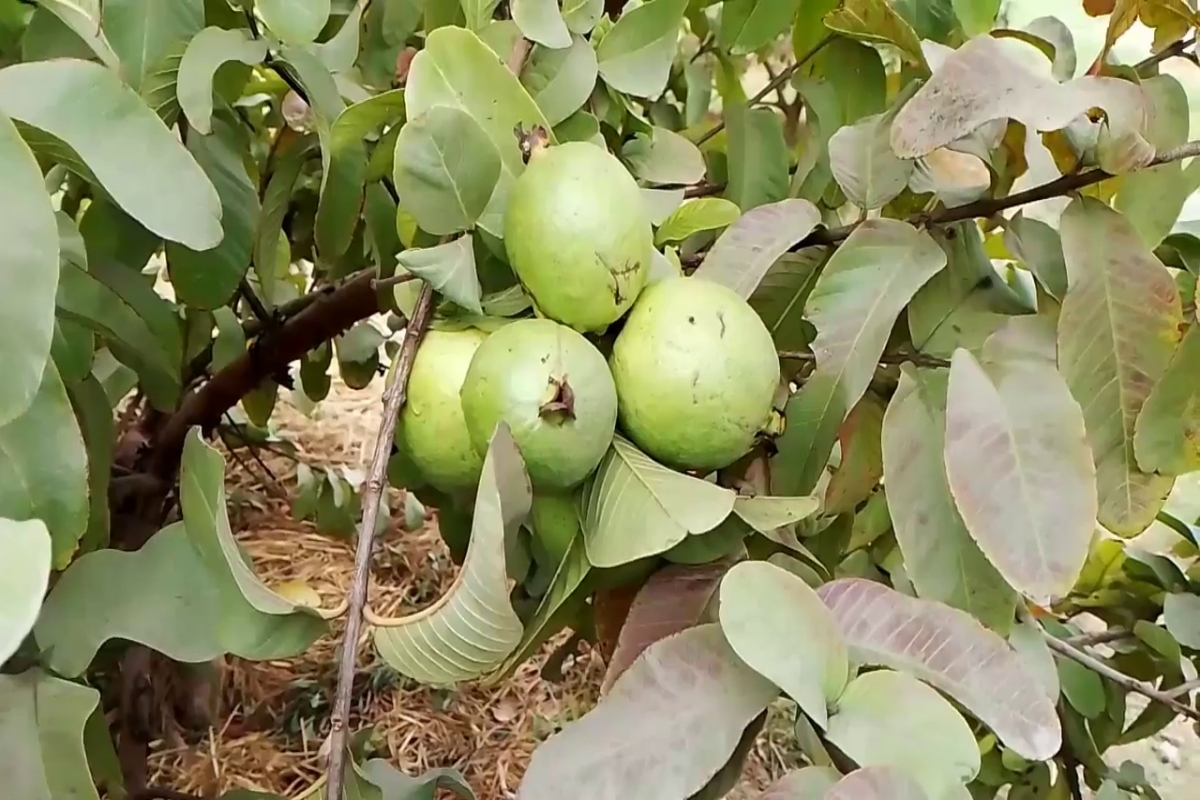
(553, 388)
(577, 235)
(696, 373)
(432, 432)
(554, 521)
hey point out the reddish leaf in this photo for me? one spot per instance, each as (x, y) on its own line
(862, 456)
(876, 783)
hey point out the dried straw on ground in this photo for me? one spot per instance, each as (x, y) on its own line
(275, 714)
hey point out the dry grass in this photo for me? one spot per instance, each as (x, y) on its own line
(275, 714)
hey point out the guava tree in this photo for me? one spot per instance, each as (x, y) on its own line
(873, 394)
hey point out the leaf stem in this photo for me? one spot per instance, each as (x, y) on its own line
(1121, 679)
(777, 82)
(393, 401)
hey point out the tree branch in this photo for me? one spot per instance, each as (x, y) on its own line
(393, 401)
(1119, 678)
(887, 359)
(1176, 49)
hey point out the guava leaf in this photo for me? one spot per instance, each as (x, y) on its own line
(1167, 431)
(863, 164)
(43, 467)
(289, 162)
(747, 25)
(395, 785)
(160, 596)
(340, 51)
(982, 81)
(457, 69)
(24, 575)
(806, 783)
(42, 720)
(764, 513)
(541, 21)
(764, 610)
(294, 21)
(672, 600)
(582, 15)
(743, 255)
(952, 651)
(1039, 247)
(205, 54)
(783, 289)
(73, 349)
(854, 305)
(1017, 459)
(472, 628)
(940, 557)
(663, 156)
(449, 268)
(1117, 331)
(141, 32)
(876, 21)
(634, 507)
(83, 17)
(254, 621)
(562, 600)
(561, 81)
(670, 723)
(693, 216)
(28, 272)
(208, 278)
(445, 170)
(877, 783)
(635, 55)
(1181, 614)
(757, 156)
(861, 467)
(887, 718)
(125, 146)
(94, 414)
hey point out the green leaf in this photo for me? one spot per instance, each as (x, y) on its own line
(744, 254)
(669, 724)
(395, 785)
(878, 783)
(472, 628)
(747, 25)
(808, 29)
(561, 81)
(1083, 688)
(541, 21)
(160, 89)
(634, 507)
(340, 52)
(862, 161)
(24, 575)
(83, 17)
(208, 278)
(141, 32)
(806, 783)
(28, 273)
(160, 596)
(43, 467)
(764, 610)
(662, 203)
(1039, 247)
(205, 54)
(940, 557)
(693, 216)
(876, 21)
(96, 424)
(1167, 431)
(457, 69)
(478, 13)
(854, 306)
(855, 75)
(888, 719)
(635, 56)
(764, 513)
(1117, 330)
(449, 268)
(663, 156)
(784, 289)
(758, 156)
(976, 16)
(1181, 614)
(952, 651)
(255, 622)
(446, 169)
(983, 81)
(294, 21)
(1011, 424)
(582, 15)
(42, 721)
(276, 199)
(132, 155)
(73, 350)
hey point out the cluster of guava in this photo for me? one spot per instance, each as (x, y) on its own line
(690, 379)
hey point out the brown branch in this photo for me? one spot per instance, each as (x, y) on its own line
(1176, 49)
(887, 359)
(777, 82)
(1121, 679)
(393, 401)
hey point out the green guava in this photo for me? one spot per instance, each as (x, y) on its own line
(432, 432)
(554, 520)
(577, 235)
(696, 373)
(553, 388)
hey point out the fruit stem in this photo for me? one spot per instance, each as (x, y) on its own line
(532, 142)
(561, 403)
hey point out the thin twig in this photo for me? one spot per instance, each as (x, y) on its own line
(393, 401)
(256, 305)
(1121, 679)
(1184, 689)
(777, 82)
(1100, 637)
(272, 482)
(887, 359)
(395, 280)
(1177, 49)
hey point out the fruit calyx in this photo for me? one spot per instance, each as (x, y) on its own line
(560, 406)
(531, 142)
